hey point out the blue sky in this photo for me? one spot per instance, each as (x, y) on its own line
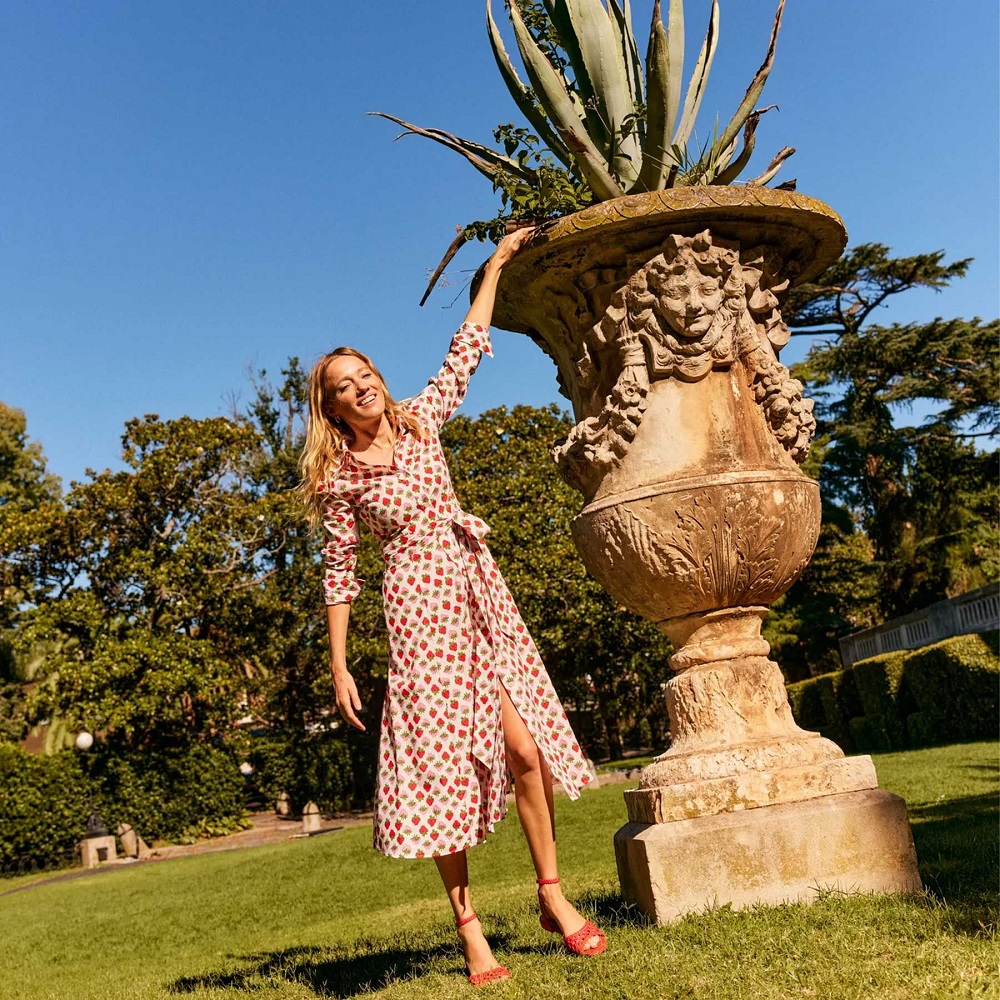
(191, 189)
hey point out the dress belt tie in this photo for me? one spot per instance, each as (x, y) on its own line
(487, 734)
(471, 525)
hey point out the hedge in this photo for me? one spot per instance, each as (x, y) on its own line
(826, 704)
(954, 685)
(947, 692)
(44, 806)
(881, 723)
(318, 767)
(177, 794)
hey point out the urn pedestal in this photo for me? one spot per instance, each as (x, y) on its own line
(663, 314)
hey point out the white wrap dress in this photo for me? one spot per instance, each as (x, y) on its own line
(455, 635)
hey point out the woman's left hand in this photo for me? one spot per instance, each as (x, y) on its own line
(481, 311)
(509, 246)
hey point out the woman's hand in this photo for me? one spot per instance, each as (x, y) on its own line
(509, 246)
(348, 702)
(481, 311)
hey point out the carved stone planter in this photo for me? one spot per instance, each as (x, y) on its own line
(662, 313)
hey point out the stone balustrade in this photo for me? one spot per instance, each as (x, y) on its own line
(975, 611)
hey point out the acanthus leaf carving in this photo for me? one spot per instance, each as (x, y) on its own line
(720, 548)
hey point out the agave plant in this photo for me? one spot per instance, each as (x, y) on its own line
(616, 123)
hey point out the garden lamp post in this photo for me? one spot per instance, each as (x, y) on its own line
(98, 845)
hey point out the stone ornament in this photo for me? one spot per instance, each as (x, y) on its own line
(695, 306)
(662, 312)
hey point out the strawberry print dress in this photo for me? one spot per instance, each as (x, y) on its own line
(455, 635)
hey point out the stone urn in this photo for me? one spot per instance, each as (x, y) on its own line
(662, 313)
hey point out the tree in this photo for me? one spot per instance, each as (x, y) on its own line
(145, 587)
(24, 480)
(600, 656)
(923, 494)
(24, 483)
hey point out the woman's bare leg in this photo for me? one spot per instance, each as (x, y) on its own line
(533, 792)
(454, 872)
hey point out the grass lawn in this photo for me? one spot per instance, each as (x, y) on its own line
(328, 917)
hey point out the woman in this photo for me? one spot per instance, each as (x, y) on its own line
(467, 695)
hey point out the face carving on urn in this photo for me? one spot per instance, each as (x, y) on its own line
(692, 292)
(687, 305)
(698, 304)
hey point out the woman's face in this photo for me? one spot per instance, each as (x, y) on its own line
(353, 391)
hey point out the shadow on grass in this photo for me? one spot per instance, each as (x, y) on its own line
(958, 850)
(346, 971)
(610, 910)
(328, 973)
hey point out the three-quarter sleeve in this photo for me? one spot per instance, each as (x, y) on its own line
(447, 389)
(340, 524)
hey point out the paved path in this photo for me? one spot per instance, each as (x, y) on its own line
(267, 829)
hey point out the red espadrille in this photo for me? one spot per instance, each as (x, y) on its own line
(493, 975)
(577, 941)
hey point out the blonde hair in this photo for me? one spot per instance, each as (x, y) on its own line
(326, 434)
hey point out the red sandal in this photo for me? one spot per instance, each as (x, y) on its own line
(576, 942)
(493, 975)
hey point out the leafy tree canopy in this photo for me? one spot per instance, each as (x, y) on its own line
(924, 494)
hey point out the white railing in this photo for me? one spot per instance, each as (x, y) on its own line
(976, 611)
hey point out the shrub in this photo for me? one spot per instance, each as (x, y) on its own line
(954, 685)
(946, 692)
(879, 681)
(314, 768)
(826, 704)
(44, 806)
(174, 793)
(807, 703)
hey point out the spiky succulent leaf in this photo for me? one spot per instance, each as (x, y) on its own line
(656, 156)
(675, 59)
(587, 32)
(699, 79)
(773, 167)
(486, 160)
(623, 23)
(561, 108)
(562, 21)
(736, 167)
(756, 85)
(522, 97)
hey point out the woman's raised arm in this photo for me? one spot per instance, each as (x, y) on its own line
(481, 311)
(447, 389)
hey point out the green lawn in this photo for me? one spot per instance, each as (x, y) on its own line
(327, 917)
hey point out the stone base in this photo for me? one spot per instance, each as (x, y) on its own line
(852, 842)
(96, 851)
(749, 790)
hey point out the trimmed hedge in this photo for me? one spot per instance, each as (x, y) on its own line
(316, 768)
(43, 809)
(175, 794)
(947, 692)
(826, 704)
(954, 684)
(881, 724)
